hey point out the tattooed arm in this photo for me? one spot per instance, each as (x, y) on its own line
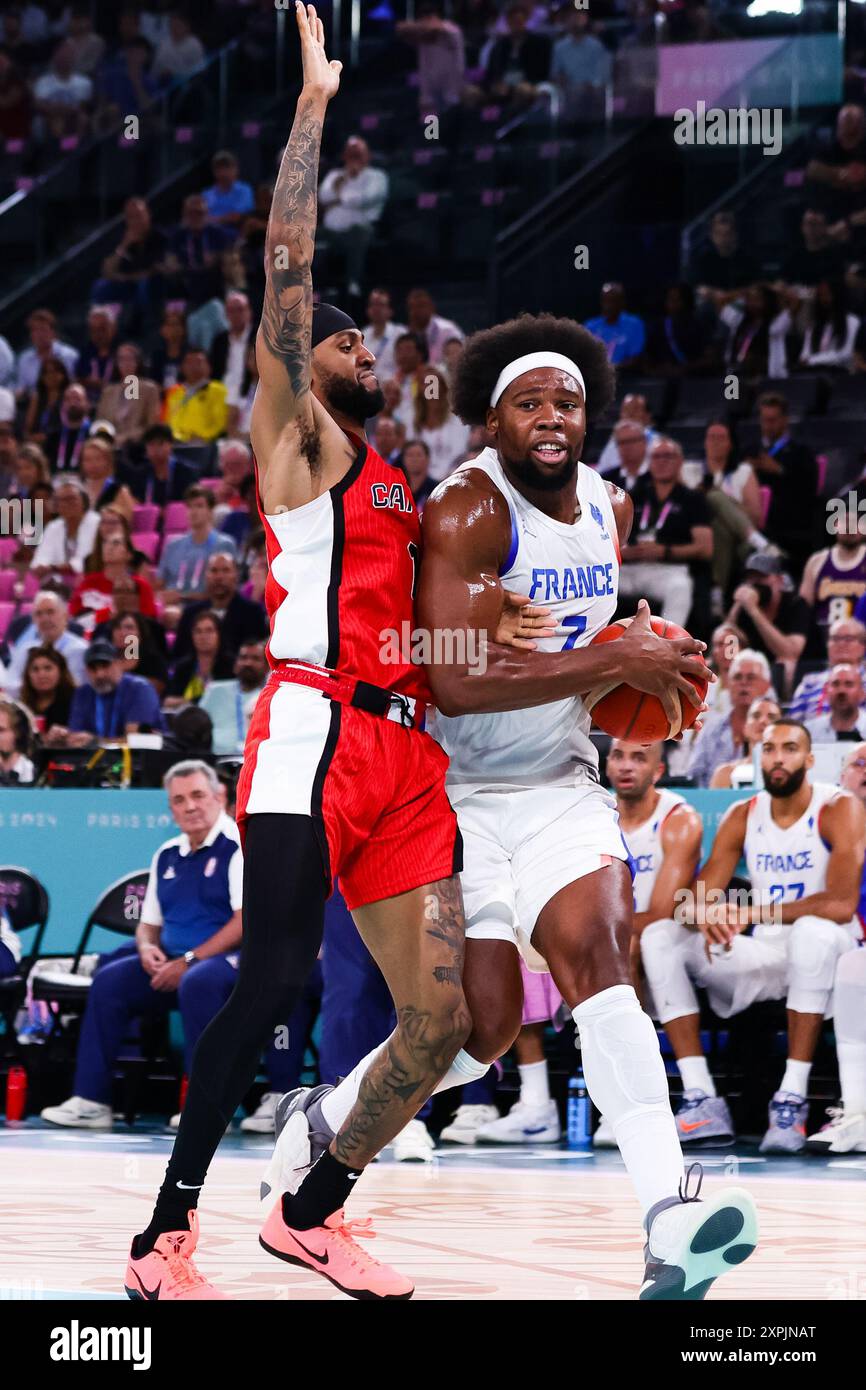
(292, 435)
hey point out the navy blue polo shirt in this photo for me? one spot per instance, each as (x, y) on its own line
(192, 893)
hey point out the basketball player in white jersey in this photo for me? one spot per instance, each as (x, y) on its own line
(663, 835)
(846, 1131)
(804, 846)
(545, 864)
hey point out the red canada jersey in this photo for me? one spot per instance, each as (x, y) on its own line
(342, 572)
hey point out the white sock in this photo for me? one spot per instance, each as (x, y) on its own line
(337, 1103)
(696, 1075)
(852, 1075)
(796, 1078)
(625, 1078)
(534, 1088)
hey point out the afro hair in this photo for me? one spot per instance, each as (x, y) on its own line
(486, 353)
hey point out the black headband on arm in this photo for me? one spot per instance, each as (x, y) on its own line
(327, 320)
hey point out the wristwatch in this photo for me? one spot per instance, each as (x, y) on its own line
(190, 958)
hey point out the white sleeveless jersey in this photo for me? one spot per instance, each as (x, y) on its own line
(645, 847)
(786, 865)
(573, 570)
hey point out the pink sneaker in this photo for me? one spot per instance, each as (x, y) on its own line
(168, 1270)
(333, 1251)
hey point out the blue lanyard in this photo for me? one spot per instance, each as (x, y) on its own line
(102, 715)
(779, 444)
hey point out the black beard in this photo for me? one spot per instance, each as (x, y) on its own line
(351, 399)
(792, 784)
(531, 475)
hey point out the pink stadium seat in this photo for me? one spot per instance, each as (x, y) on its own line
(7, 612)
(174, 518)
(8, 547)
(7, 579)
(146, 517)
(147, 542)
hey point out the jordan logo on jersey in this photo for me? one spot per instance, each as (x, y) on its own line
(390, 495)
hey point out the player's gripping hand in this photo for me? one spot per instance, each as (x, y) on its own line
(320, 74)
(521, 621)
(660, 666)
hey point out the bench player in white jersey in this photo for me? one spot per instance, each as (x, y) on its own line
(804, 845)
(846, 1130)
(663, 834)
(545, 864)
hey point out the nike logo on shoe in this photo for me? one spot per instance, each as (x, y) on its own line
(320, 1259)
(150, 1294)
(190, 1186)
(698, 1124)
(539, 1129)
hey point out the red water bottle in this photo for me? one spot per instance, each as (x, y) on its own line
(16, 1094)
(184, 1087)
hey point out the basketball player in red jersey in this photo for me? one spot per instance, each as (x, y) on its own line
(338, 777)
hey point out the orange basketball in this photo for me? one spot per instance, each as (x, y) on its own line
(623, 712)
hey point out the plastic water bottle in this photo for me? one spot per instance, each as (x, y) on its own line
(579, 1117)
(16, 1094)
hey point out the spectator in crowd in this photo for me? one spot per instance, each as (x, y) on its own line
(635, 409)
(741, 773)
(415, 462)
(769, 612)
(235, 461)
(381, 332)
(388, 438)
(125, 84)
(62, 97)
(240, 402)
(91, 599)
(725, 642)
(242, 620)
(790, 471)
(16, 102)
(112, 523)
(243, 523)
(16, 739)
(30, 467)
(68, 540)
(179, 53)
(581, 66)
(254, 588)
(132, 637)
(208, 661)
(723, 737)
(44, 343)
(724, 265)
(45, 401)
(757, 325)
(46, 688)
(88, 47)
(110, 704)
(183, 564)
(351, 201)
(677, 343)
(632, 451)
(831, 332)
(186, 943)
(230, 703)
(63, 445)
(193, 259)
(127, 272)
(734, 499)
(46, 627)
(672, 534)
(230, 348)
(167, 357)
(164, 478)
(410, 355)
(132, 403)
(8, 457)
(430, 328)
(437, 426)
(834, 581)
(451, 354)
(840, 173)
(517, 62)
(819, 256)
(846, 646)
(228, 199)
(441, 57)
(623, 334)
(24, 33)
(96, 366)
(98, 476)
(197, 407)
(845, 719)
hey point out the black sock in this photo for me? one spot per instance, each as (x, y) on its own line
(323, 1191)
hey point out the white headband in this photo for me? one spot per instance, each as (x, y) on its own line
(527, 363)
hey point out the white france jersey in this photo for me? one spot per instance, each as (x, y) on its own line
(572, 569)
(786, 865)
(645, 847)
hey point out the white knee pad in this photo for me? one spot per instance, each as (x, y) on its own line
(813, 951)
(666, 949)
(621, 1058)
